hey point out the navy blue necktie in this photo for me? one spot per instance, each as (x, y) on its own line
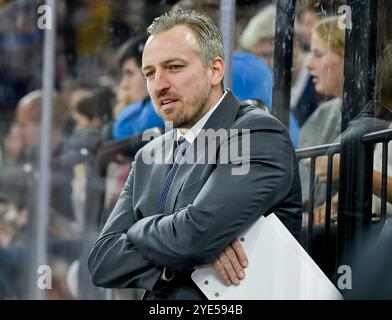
(182, 146)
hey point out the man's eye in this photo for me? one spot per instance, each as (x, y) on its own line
(175, 67)
(148, 74)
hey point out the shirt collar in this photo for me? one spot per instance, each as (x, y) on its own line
(193, 132)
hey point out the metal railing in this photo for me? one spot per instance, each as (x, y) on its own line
(383, 136)
(329, 150)
(313, 153)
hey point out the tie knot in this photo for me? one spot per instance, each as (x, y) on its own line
(182, 145)
(180, 141)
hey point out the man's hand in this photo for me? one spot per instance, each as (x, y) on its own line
(231, 263)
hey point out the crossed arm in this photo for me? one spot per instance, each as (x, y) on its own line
(115, 262)
(223, 208)
(133, 253)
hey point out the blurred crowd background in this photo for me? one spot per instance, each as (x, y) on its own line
(101, 107)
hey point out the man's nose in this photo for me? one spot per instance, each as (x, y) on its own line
(161, 82)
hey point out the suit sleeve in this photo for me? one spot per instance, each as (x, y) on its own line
(226, 204)
(114, 261)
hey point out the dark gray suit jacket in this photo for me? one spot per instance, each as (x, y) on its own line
(207, 206)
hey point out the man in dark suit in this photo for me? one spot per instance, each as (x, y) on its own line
(174, 217)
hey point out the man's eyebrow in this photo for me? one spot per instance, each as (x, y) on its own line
(173, 60)
(144, 68)
(165, 62)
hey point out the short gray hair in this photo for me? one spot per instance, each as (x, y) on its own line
(208, 36)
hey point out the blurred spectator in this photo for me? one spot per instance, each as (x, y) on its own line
(323, 126)
(28, 117)
(326, 66)
(309, 12)
(91, 112)
(72, 90)
(130, 61)
(365, 121)
(139, 114)
(135, 119)
(133, 112)
(307, 19)
(8, 223)
(14, 145)
(252, 79)
(258, 38)
(17, 174)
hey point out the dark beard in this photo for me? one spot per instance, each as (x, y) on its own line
(200, 112)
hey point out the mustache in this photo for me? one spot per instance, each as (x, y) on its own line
(167, 95)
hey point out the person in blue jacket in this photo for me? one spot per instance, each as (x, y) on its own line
(252, 79)
(139, 114)
(136, 118)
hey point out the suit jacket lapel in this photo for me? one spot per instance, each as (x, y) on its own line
(225, 113)
(221, 118)
(160, 170)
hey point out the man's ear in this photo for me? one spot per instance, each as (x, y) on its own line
(218, 71)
